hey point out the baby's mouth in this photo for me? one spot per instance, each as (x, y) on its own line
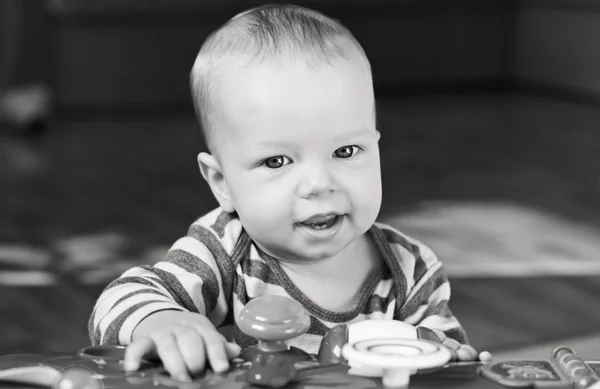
(321, 221)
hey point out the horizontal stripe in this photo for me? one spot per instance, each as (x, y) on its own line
(111, 296)
(144, 274)
(151, 294)
(202, 266)
(425, 300)
(423, 256)
(108, 321)
(148, 273)
(187, 286)
(428, 283)
(207, 267)
(221, 256)
(220, 224)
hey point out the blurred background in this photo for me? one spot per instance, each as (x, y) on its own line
(490, 115)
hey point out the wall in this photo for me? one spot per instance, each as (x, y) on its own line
(558, 47)
(131, 54)
(23, 44)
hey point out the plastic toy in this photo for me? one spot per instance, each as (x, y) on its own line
(371, 354)
(563, 370)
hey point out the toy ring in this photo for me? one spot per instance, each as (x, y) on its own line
(399, 358)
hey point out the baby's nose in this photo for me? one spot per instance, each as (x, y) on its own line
(316, 180)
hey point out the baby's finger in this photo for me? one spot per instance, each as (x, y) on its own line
(232, 350)
(170, 355)
(440, 334)
(466, 353)
(451, 344)
(136, 351)
(215, 351)
(453, 356)
(191, 346)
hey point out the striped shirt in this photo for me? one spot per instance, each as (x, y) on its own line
(216, 269)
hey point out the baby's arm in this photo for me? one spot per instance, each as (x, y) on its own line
(159, 309)
(426, 305)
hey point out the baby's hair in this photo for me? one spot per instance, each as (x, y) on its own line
(258, 35)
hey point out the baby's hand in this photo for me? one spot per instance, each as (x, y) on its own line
(461, 352)
(185, 346)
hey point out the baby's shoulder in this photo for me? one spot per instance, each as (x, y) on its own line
(217, 228)
(406, 247)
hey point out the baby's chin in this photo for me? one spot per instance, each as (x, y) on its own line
(311, 255)
(296, 257)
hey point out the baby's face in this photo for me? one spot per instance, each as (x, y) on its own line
(299, 152)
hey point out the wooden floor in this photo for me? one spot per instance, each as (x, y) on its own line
(138, 179)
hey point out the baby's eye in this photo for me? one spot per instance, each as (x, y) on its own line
(276, 162)
(346, 151)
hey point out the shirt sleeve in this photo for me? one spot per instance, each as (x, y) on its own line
(427, 302)
(195, 276)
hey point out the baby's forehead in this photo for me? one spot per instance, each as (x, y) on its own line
(247, 66)
(286, 83)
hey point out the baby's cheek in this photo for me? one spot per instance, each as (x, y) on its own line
(264, 208)
(368, 198)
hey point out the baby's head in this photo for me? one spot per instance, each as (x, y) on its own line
(285, 100)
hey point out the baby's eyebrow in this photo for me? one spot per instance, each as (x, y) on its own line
(358, 132)
(270, 143)
(362, 131)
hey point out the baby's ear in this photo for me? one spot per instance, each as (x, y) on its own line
(213, 174)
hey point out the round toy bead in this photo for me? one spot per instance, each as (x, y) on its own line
(485, 356)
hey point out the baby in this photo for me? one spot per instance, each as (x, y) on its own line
(285, 98)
